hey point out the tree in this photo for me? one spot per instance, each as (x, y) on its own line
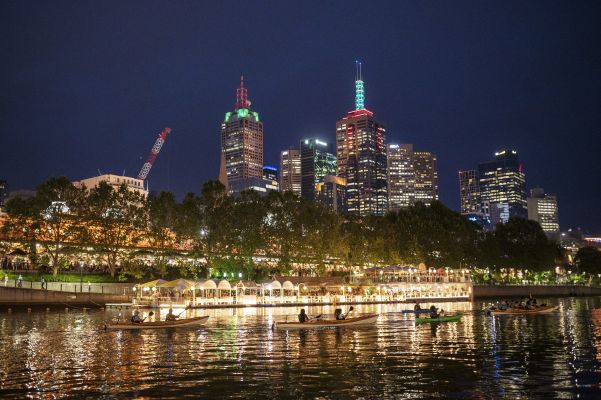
(50, 219)
(522, 244)
(115, 220)
(588, 259)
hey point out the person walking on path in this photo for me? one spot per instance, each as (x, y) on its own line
(20, 281)
(43, 283)
(5, 280)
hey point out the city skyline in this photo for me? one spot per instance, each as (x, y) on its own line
(92, 114)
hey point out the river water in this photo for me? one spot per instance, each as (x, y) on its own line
(237, 355)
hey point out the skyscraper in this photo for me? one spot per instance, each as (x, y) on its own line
(542, 208)
(361, 157)
(401, 176)
(316, 162)
(270, 172)
(469, 192)
(426, 176)
(242, 142)
(290, 171)
(503, 185)
(3, 193)
(332, 193)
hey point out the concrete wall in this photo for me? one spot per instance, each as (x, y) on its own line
(484, 291)
(103, 288)
(23, 297)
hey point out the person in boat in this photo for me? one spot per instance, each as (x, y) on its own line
(338, 314)
(417, 306)
(136, 319)
(302, 317)
(433, 312)
(170, 316)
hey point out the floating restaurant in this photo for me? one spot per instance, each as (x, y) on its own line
(373, 285)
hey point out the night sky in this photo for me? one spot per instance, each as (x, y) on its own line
(88, 85)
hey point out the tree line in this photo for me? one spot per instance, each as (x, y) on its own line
(235, 233)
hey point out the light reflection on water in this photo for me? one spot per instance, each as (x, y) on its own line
(238, 355)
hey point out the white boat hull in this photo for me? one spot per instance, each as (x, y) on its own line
(357, 321)
(182, 323)
(522, 311)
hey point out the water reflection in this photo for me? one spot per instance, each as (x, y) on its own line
(238, 355)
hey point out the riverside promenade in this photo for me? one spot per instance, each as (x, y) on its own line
(16, 297)
(501, 291)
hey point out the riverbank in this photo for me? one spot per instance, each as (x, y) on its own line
(14, 297)
(500, 291)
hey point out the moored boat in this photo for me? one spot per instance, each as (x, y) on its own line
(450, 318)
(519, 311)
(327, 323)
(181, 323)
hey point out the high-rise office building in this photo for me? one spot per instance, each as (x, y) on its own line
(426, 176)
(542, 208)
(242, 142)
(361, 157)
(503, 185)
(270, 172)
(401, 176)
(317, 161)
(332, 193)
(290, 171)
(3, 193)
(469, 192)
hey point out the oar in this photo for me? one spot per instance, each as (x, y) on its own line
(150, 314)
(187, 307)
(349, 311)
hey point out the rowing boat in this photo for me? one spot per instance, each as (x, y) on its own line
(182, 323)
(520, 311)
(326, 323)
(422, 311)
(450, 318)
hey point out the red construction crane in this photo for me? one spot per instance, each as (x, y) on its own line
(153, 154)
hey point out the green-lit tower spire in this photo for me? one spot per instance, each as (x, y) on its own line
(359, 90)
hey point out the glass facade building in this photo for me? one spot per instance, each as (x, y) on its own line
(361, 157)
(503, 184)
(469, 192)
(317, 161)
(426, 176)
(290, 171)
(542, 208)
(401, 176)
(242, 142)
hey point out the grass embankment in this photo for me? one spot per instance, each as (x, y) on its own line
(67, 278)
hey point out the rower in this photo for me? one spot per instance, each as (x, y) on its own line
(302, 317)
(417, 306)
(433, 312)
(338, 314)
(136, 319)
(170, 316)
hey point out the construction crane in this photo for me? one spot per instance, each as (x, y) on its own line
(153, 154)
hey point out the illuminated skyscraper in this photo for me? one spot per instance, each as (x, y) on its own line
(426, 176)
(401, 176)
(270, 172)
(361, 157)
(242, 142)
(542, 208)
(316, 162)
(290, 171)
(3, 193)
(503, 185)
(332, 193)
(469, 192)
